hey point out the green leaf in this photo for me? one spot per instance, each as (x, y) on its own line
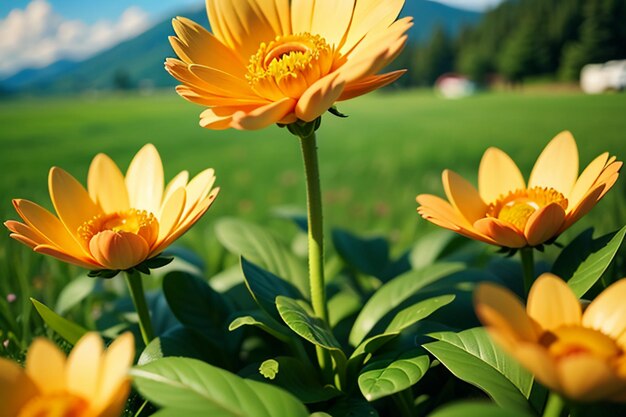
(69, 331)
(195, 304)
(343, 305)
(417, 312)
(394, 293)
(388, 375)
(260, 319)
(265, 287)
(583, 261)
(475, 408)
(429, 248)
(300, 379)
(179, 341)
(74, 292)
(190, 386)
(269, 368)
(367, 255)
(259, 246)
(472, 357)
(299, 317)
(353, 407)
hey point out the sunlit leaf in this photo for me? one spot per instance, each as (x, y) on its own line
(69, 331)
(388, 375)
(472, 357)
(475, 408)
(74, 292)
(261, 247)
(190, 387)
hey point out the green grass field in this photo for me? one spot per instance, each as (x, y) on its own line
(392, 147)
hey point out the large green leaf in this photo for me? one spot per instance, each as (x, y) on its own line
(472, 357)
(343, 305)
(261, 247)
(299, 317)
(75, 292)
(476, 409)
(300, 379)
(388, 375)
(195, 304)
(265, 287)
(69, 331)
(190, 387)
(393, 294)
(417, 312)
(583, 261)
(367, 255)
(429, 248)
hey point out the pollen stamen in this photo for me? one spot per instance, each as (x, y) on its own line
(518, 206)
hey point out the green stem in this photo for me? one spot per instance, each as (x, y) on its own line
(554, 407)
(316, 240)
(135, 285)
(528, 265)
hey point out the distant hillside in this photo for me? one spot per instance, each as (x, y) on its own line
(138, 62)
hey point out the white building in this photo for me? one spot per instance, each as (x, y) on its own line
(598, 78)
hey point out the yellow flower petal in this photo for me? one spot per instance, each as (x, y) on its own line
(46, 224)
(71, 201)
(370, 16)
(500, 232)
(584, 206)
(319, 97)
(45, 365)
(330, 19)
(369, 84)
(544, 224)
(498, 175)
(557, 166)
(263, 116)
(552, 304)
(221, 82)
(170, 214)
(244, 24)
(118, 250)
(185, 223)
(463, 196)
(536, 359)
(586, 181)
(114, 373)
(118, 401)
(84, 366)
(16, 388)
(180, 180)
(144, 180)
(607, 313)
(106, 185)
(197, 45)
(499, 309)
(65, 257)
(198, 188)
(588, 378)
(26, 232)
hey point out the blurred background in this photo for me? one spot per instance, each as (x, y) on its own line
(78, 78)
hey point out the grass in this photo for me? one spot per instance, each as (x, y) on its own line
(392, 147)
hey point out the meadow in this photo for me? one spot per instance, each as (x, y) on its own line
(373, 163)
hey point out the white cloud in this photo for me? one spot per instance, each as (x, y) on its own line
(37, 36)
(479, 5)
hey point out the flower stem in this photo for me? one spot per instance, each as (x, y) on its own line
(135, 285)
(528, 265)
(555, 405)
(316, 239)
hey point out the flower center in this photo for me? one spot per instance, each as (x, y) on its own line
(288, 65)
(138, 222)
(568, 341)
(516, 207)
(55, 405)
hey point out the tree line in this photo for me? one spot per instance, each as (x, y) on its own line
(521, 39)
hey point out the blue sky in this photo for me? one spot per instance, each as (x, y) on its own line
(37, 33)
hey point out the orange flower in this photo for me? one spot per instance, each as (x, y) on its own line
(89, 383)
(121, 221)
(504, 211)
(277, 61)
(580, 355)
